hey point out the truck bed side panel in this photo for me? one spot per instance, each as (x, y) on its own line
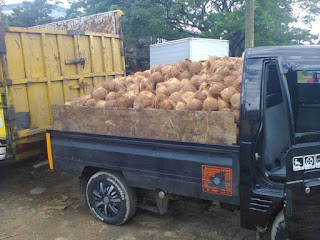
(177, 168)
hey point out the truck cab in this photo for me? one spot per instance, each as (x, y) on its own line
(280, 141)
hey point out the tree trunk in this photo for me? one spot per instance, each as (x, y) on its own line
(249, 24)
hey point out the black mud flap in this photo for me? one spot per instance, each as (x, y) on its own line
(302, 192)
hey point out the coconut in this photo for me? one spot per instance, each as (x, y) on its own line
(109, 85)
(129, 81)
(145, 85)
(99, 94)
(222, 71)
(147, 73)
(201, 95)
(184, 74)
(133, 87)
(174, 72)
(203, 78)
(194, 105)
(111, 103)
(216, 89)
(172, 81)
(110, 96)
(90, 102)
(210, 61)
(231, 66)
(215, 66)
(187, 96)
(227, 93)
(80, 101)
(166, 70)
(68, 104)
(118, 86)
(229, 80)
(125, 101)
(210, 104)
(156, 77)
(120, 94)
(121, 81)
(175, 97)
(137, 80)
(185, 64)
(194, 81)
(222, 104)
(172, 88)
(143, 100)
(161, 90)
(237, 83)
(167, 105)
(156, 68)
(236, 114)
(137, 74)
(184, 81)
(188, 88)
(128, 99)
(215, 79)
(101, 103)
(195, 67)
(235, 101)
(204, 86)
(180, 106)
(158, 99)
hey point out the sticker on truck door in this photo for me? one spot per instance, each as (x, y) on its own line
(217, 180)
(306, 162)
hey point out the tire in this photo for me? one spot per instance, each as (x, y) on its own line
(278, 231)
(110, 198)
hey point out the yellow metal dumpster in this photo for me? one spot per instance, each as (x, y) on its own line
(41, 66)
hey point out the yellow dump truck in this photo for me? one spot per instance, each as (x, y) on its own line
(51, 64)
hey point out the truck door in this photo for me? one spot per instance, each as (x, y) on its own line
(302, 191)
(302, 188)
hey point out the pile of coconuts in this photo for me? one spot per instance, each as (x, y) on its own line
(211, 85)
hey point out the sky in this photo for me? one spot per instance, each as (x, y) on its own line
(315, 28)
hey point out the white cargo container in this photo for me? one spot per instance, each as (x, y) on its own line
(193, 48)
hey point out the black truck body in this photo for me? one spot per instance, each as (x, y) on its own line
(274, 168)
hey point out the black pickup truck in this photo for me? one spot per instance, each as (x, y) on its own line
(272, 175)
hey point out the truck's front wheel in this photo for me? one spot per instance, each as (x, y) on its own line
(110, 198)
(278, 231)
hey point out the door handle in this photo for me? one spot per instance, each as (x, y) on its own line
(257, 156)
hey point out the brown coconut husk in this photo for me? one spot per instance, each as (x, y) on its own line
(194, 105)
(181, 106)
(227, 93)
(235, 101)
(90, 102)
(111, 96)
(210, 104)
(216, 89)
(99, 94)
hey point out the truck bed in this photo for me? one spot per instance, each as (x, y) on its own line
(182, 168)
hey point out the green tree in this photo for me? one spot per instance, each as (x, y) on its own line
(148, 21)
(30, 14)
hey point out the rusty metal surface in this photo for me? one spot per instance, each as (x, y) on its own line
(184, 126)
(107, 22)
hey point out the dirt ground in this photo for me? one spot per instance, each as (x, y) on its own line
(44, 204)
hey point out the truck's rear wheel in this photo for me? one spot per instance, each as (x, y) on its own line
(278, 231)
(110, 198)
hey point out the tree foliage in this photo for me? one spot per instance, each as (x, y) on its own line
(30, 14)
(148, 21)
